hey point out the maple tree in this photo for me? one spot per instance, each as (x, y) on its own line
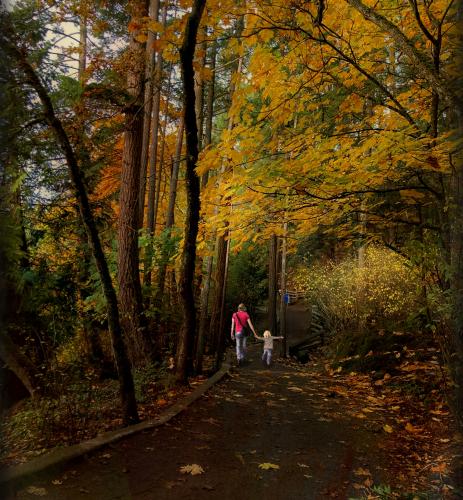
(351, 130)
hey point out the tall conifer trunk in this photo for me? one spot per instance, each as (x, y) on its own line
(130, 295)
(150, 77)
(153, 159)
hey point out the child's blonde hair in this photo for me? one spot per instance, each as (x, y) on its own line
(267, 334)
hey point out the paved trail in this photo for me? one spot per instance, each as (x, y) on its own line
(256, 416)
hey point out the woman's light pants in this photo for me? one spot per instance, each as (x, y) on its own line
(240, 346)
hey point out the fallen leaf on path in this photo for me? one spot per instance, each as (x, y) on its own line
(388, 428)
(240, 457)
(439, 412)
(362, 472)
(410, 428)
(193, 469)
(271, 403)
(439, 468)
(367, 410)
(303, 465)
(39, 492)
(268, 466)
(294, 388)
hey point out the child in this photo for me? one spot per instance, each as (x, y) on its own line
(268, 346)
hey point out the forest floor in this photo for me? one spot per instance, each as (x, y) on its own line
(290, 432)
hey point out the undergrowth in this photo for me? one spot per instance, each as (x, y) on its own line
(76, 408)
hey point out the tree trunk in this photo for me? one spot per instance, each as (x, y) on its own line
(174, 175)
(206, 282)
(272, 284)
(170, 212)
(456, 241)
(82, 46)
(157, 198)
(130, 295)
(283, 305)
(221, 246)
(127, 393)
(456, 284)
(221, 329)
(199, 91)
(218, 280)
(204, 302)
(19, 364)
(210, 106)
(149, 76)
(188, 329)
(153, 158)
(94, 352)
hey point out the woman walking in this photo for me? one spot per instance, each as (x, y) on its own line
(240, 323)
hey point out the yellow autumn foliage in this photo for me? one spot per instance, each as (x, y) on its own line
(384, 291)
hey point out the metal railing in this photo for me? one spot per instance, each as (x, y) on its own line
(294, 295)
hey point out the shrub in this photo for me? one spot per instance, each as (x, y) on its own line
(384, 293)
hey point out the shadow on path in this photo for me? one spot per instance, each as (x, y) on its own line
(256, 416)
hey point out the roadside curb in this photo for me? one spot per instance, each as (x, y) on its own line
(59, 457)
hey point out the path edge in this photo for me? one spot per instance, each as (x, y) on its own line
(61, 456)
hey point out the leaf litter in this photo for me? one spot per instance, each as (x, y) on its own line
(193, 469)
